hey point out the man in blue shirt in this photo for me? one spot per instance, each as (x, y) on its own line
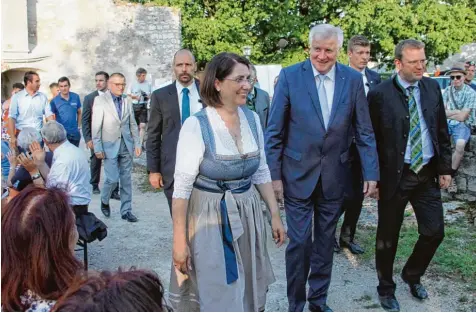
(66, 107)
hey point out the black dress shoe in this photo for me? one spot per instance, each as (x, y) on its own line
(129, 217)
(389, 303)
(115, 196)
(336, 246)
(352, 246)
(417, 290)
(96, 190)
(105, 209)
(320, 308)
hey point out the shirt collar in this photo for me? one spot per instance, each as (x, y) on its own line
(26, 94)
(406, 84)
(363, 71)
(331, 74)
(100, 92)
(62, 147)
(180, 87)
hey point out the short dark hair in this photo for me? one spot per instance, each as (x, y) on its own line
(141, 70)
(64, 79)
(106, 75)
(18, 86)
(29, 77)
(53, 85)
(357, 40)
(219, 68)
(407, 43)
(133, 291)
(118, 74)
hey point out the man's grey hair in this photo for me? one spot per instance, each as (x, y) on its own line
(253, 69)
(326, 31)
(53, 132)
(407, 43)
(27, 136)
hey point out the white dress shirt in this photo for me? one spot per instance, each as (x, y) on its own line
(425, 135)
(28, 110)
(191, 148)
(193, 94)
(70, 171)
(329, 84)
(366, 82)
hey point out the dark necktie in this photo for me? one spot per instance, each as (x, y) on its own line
(118, 103)
(185, 104)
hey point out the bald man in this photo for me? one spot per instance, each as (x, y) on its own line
(170, 106)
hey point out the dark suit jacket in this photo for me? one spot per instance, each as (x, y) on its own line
(87, 115)
(373, 78)
(300, 151)
(262, 106)
(163, 132)
(391, 122)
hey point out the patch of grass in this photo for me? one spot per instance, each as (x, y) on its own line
(143, 179)
(463, 299)
(372, 306)
(364, 298)
(455, 258)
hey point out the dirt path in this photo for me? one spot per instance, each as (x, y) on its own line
(147, 244)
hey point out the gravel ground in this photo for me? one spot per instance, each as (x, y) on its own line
(147, 244)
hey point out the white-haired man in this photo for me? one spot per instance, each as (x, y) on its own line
(318, 106)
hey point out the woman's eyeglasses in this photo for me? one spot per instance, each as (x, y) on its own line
(242, 80)
(457, 77)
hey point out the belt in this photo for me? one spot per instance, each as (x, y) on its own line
(231, 225)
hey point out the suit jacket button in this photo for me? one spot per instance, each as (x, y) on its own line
(398, 171)
(404, 135)
(407, 117)
(401, 153)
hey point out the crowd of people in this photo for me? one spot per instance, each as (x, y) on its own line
(228, 162)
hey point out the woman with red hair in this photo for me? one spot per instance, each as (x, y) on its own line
(38, 240)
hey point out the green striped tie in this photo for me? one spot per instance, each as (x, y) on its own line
(416, 142)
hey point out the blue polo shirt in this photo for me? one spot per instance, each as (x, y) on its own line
(66, 112)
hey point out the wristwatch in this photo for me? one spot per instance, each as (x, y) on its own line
(35, 176)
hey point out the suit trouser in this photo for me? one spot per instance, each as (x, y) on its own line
(303, 254)
(168, 194)
(95, 167)
(119, 168)
(423, 192)
(352, 206)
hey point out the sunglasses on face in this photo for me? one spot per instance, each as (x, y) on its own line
(457, 77)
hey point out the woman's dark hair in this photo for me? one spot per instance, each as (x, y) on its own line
(37, 229)
(219, 68)
(129, 291)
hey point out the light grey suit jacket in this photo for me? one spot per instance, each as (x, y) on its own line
(107, 129)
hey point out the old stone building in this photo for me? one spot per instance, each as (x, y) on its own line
(76, 38)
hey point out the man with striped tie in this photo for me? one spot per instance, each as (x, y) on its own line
(409, 120)
(170, 106)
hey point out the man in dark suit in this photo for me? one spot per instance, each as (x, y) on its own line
(169, 108)
(318, 107)
(101, 79)
(258, 100)
(358, 50)
(409, 120)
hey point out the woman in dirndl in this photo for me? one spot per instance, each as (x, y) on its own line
(220, 259)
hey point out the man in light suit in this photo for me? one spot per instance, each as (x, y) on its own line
(318, 106)
(114, 135)
(101, 79)
(170, 106)
(358, 50)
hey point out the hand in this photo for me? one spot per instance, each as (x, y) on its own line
(156, 180)
(278, 191)
(38, 153)
(90, 145)
(369, 188)
(376, 194)
(138, 152)
(445, 181)
(181, 257)
(12, 159)
(279, 234)
(99, 155)
(27, 163)
(13, 143)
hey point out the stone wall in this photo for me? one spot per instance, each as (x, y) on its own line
(78, 38)
(466, 177)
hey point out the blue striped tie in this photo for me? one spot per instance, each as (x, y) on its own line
(416, 142)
